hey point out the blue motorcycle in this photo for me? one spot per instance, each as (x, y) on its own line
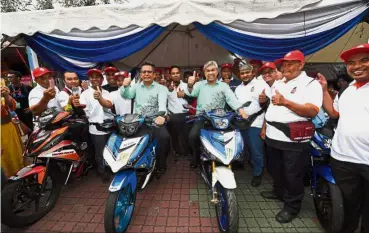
(221, 144)
(130, 153)
(327, 195)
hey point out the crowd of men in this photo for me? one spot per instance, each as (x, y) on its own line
(288, 94)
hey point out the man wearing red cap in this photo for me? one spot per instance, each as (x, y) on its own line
(350, 145)
(269, 73)
(95, 99)
(296, 99)
(43, 95)
(122, 106)
(158, 75)
(112, 82)
(227, 77)
(256, 64)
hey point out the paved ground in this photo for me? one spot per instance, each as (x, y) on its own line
(178, 202)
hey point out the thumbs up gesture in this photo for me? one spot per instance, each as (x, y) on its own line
(191, 80)
(262, 97)
(278, 99)
(127, 81)
(180, 93)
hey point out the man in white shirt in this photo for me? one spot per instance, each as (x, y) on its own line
(122, 106)
(43, 95)
(65, 97)
(295, 98)
(177, 126)
(249, 90)
(350, 145)
(95, 99)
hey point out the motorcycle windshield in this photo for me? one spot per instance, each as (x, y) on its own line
(225, 146)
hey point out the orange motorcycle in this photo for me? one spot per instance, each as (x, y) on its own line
(59, 150)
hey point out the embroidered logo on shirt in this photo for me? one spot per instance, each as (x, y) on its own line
(293, 90)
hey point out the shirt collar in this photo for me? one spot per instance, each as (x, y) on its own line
(357, 85)
(153, 84)
(252, 81)
(216, 82)
(298, 78)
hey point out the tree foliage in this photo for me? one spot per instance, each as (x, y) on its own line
(15, 5)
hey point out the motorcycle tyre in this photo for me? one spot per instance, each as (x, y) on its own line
(232, 211)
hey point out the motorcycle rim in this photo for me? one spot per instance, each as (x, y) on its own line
(222, 208)
(124, 207)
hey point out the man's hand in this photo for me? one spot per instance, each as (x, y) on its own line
(49, 93)
(323, 81)
(5, 92)
(159, 120)
(191, 80)
(27, 110)
(278, 99)
(243, 113)
(180, 93)
(263, 132)
(127, 81)
(75, 101)
(97, 94)
(262, 97)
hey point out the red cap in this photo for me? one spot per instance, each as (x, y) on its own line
(91, 71)
(39, 71)
(255, 62)
(364, 48)
(226, 65)
(110, 69)
(295, 55)
(166, 69)
(121, 73)
(270, 65)
(158, 70)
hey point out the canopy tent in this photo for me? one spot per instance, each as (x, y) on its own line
(80, 38)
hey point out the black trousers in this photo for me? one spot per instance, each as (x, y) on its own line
(161, 134)
(179, 132)
(353, 180)
(287, 168)
(99, 142)
(194, 141)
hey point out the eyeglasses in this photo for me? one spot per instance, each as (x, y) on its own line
(268, 72)
(147, 72)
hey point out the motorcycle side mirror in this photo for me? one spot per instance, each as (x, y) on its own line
(246, 104)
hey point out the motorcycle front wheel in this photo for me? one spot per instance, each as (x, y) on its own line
(23, 204)
(119, 210)
(227, 209)
(328, 202)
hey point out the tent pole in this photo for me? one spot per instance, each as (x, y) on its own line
(153, 49)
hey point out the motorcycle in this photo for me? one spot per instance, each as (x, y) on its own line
(327, 195)
(221, 145)
(57, 150)
(130, 153)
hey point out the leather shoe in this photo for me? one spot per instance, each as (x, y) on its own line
(256, 181)
(269, 195)
(285, 217)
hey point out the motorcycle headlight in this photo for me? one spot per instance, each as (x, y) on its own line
(128, 129)
(221, 123)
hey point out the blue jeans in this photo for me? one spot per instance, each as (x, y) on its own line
(253, 141)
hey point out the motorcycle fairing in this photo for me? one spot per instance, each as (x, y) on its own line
(326, 173)
(225, 146)
(28, 171)
(120, 152)
(147, 159)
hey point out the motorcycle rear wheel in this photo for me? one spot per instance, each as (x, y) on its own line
(16, 193)
(119, 210)
(227, 210)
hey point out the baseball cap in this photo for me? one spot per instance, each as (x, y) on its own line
(91, 71)
(255, 62)
(110, 69)
(364, 48)
(226, 65)
(121, 73)
(270, 65)
(295, 55)
(39, 71)
(158, 70)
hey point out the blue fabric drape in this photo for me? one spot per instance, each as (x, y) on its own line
(267, 49)
(50, 49)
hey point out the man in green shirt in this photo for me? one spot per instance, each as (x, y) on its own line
(211, 94)
(150, 98)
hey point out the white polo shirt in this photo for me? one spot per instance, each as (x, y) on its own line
(301, 90)
(175, 104)
(351, 139)
(94, 111)
(122, 106)
(36, 95)
(63, 97)
(251, 92)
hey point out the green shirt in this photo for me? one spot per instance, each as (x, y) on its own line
(148, 100)
(215, 96)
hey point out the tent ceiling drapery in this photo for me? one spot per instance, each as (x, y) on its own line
(312, 27)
